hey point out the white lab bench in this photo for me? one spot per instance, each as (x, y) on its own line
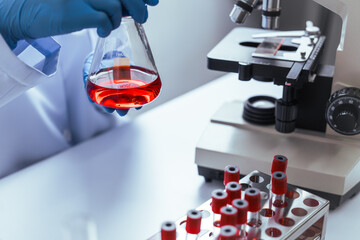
(129, 180)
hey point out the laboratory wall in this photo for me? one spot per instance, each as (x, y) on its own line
(181, 33)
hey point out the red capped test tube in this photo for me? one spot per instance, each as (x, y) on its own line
(168, 231)
(228, 233)
(193, 224)
(253, 197)
(228, 216)
(231, 174)
(279, 164)
(278, 189)
(242, 207)
(233, 190)
(219, 200)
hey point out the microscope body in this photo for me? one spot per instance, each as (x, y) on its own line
(324, 155)
(299, 82)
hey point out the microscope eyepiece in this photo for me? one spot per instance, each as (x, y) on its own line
(271, 14)
(241, 10)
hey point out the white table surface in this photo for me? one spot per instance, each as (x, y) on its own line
(127, 181)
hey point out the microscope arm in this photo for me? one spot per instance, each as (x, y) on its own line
(340, 8)
(336, 6)
(347, 71)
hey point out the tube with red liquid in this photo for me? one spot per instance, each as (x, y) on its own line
(219, 200)
(193, 224)
(228, 216)
(233, 190)
(253, 197)
(231, 174)
(168, 231)
(242, 207)
(278, 189)
(279, 164)
(228, 233)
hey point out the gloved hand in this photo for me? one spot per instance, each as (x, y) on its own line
(21, 19)
(86, 71)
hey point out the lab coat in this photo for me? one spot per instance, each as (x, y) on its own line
(42, 114)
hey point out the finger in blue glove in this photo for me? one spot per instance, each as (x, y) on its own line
(22, 19)
(122, 112)
(152, 2)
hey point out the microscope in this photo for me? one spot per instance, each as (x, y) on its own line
(316, 122)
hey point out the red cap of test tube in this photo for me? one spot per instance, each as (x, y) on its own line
(228, 233)
(193, 222)
(242, 207)
(279, 183)
(219, 200)
(231, 174)
(168, 231)
(252, 195)
(279, 164)
(233, 190)
(228, 216)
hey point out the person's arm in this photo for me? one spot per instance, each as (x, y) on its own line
(17, 76)
(23, 19)
(33, 19)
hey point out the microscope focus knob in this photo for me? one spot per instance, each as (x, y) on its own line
(343, 111)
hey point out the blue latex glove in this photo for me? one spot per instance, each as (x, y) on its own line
(22, 19)
(86, 70)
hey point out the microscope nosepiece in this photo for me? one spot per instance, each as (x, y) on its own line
(241, 10)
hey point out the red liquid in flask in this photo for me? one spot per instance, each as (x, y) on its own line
(123, 87)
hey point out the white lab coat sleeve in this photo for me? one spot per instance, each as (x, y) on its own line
(16, 76)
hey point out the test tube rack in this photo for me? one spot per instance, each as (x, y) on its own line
(304, 216)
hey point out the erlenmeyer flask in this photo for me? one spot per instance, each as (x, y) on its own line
(123, 72)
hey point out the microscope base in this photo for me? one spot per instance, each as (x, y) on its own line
(328, 166)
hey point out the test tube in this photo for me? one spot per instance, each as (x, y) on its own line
(228, 233)
(219, 200)
(228, 216)
(231, 174)
(193, 224)
(242, 207)
(253, 197)
(278, 189)
(279, 164)
(168, 231)
(233, 190)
